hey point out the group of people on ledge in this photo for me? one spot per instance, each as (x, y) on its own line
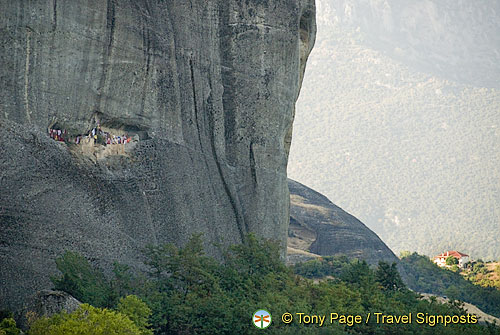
(97, 135)
(58, 134)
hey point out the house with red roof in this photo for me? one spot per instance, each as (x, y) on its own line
(462, 258)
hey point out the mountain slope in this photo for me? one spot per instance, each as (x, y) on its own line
(321, 228)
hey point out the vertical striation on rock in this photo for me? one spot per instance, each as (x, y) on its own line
(208, 87)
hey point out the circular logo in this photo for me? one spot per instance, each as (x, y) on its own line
(261, 319)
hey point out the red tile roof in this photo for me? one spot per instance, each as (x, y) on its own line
(455, 254)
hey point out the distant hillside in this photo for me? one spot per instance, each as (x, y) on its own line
(398, 121)
(457, 40)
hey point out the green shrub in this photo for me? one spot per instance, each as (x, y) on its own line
(8, 327)
(86, 320)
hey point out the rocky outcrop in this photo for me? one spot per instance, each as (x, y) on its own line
(53, 302)
(207, 86)
(46, 303)
(318, 227)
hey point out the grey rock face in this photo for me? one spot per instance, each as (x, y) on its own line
(208, 86)
(53, 302)
(47, 303)
(320, 227)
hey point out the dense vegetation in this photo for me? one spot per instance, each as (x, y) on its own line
(186, 292)
(89, 320)
(412, 155)
(425, 276)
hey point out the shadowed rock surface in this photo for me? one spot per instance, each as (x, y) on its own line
(209, 88)
(318, 227)
(47, 303)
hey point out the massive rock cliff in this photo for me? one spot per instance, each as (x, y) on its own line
(207, 88)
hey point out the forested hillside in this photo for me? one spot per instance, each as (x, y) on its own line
(425, 276)
(406, 143)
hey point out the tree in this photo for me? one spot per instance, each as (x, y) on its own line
(8, 327)
(256, 257)
(388, 277)
(86, 320)
(137, 311)
(451, 260)
(181, 269)
(356, 272)
(405, 253)
(184, 288)
(82, 281)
